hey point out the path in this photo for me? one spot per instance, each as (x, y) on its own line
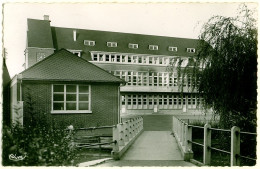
(154, 147)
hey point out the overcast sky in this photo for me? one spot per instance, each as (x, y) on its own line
(165, 19)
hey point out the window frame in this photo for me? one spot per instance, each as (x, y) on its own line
(172, 49)
(153, 47)
(89, 43)
(65, 101)
(133, 46)
(112, 44)
(191, 50)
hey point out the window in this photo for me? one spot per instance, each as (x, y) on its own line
(153, 47)
(89, 43)
(71, 98)
(134, 99)
(134, 78)
(155, 80)
(144, 100)
(95, 57)
(160, 79)
(76, 52)
(133, 46)
(40, 56)
(155, 100)
(189, 100)
(175, 100)
(170, 100)
(111, 44)
(150, 100)
(160, 99)
(172, 49)
(191, 50)
(139, 99)
(107, 58)
(123, 99)
(194, 100)
(144, 78)
(165, 100)
(150, 78)
(129, 100)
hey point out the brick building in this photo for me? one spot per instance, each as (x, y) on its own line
(66, 89)
(140, 60)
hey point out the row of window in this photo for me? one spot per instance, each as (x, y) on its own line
(135, 59)
(70, 98)
(135, 46)
(153, 78)
(163, 101)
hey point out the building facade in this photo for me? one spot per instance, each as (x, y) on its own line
(140, 60)
(64, 90)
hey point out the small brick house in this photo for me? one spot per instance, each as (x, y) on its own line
(67, 90)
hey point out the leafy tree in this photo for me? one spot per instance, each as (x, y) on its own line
(224, 68)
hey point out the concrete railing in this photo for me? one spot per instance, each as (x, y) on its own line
(124, 134)
(183, 133)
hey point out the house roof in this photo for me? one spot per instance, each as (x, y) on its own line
(39, 34)
(63, 38)
(65, 66)
(42, 34)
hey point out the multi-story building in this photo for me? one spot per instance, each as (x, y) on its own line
(141, 60)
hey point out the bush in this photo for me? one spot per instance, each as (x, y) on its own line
(38, 145)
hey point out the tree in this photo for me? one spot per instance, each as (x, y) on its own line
(225, 68)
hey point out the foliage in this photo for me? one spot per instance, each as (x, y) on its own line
(39, 145)
(38, 142)
(224, 69)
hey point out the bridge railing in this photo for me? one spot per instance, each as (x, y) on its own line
(124, 135)
(183, 133)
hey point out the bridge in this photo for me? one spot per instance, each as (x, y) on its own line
(164, 140)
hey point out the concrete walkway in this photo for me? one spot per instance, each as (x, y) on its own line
(152, 148)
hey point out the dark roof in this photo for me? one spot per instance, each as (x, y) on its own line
(39, 34)
(63, 38)
(65, 66)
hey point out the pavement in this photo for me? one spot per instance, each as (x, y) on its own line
(151, 148)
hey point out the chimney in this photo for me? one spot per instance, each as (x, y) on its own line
(74, 35)
(46, 17)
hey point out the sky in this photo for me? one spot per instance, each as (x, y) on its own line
(165, 19)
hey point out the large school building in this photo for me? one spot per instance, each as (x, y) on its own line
(141, 60)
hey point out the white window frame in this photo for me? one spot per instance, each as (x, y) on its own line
(89, 43)
(133, 46)
(172, 49)
(191, 50)
(78, 52)
(77, 100)
(153, 47)
(112, 44)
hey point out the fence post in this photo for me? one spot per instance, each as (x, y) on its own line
(183, 133)
(235, 146)
(115, 139)
(189, 138)
(207, 144)
(121, 141)
(126, 131)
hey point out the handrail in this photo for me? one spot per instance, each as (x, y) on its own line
(243, 132)
(94, 128)
(96, 144)
(195, 126)
(195, 143)
(220, 129)
(219, 150)
(249, 158)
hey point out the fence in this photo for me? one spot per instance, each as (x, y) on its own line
(183, 133)
(124, 135)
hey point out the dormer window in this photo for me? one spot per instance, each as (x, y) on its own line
(133, 46)
(89, 43)
(191, 50)
(172, 49)
(153, 47)
(111, 44)
(76, 52)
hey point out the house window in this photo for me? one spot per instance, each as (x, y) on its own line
(165, 100)
(71, 98)
(153, 47)
(150, 100)
(160, 99)
(112, 44)
(95, 57)
(76, 52)
(89, 43)
(191, 50)
(144, 100)
(40, 56)
(123, 99)
(172, 49)
(133, 46)
(134, 99)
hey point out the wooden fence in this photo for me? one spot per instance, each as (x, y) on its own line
(183, 133)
